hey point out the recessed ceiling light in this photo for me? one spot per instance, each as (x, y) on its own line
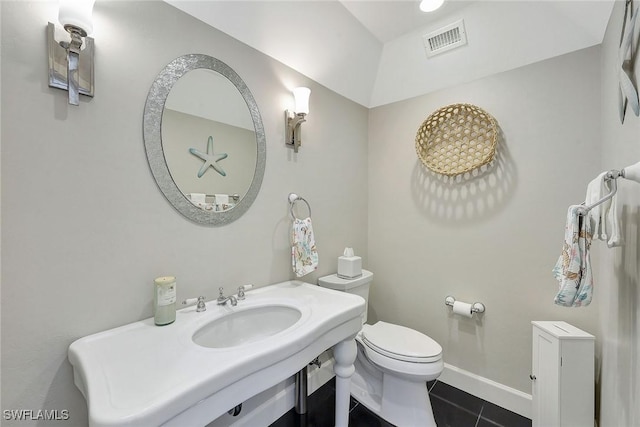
(430, 5)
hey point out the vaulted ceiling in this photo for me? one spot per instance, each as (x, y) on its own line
(372, 51)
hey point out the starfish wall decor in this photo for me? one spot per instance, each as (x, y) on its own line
(628, 93)
(210, 159)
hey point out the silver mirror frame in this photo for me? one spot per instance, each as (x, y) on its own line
(152, 134)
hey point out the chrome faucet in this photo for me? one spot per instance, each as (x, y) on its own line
(199, 301)
(222, 300)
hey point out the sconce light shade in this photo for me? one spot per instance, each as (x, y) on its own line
(78, 14)
(71, 64)
(301, 96)
(293, 119)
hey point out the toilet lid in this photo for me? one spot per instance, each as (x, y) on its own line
(401, 343)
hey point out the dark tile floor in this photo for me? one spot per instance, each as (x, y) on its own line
(451, 408)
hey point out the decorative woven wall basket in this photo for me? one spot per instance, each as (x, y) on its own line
(457, 139)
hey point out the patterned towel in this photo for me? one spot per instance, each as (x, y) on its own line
(573, 269)
(304, 256)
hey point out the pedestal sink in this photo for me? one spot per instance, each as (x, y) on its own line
(203, 364)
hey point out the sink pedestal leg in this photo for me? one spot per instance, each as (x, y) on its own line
(345, 354)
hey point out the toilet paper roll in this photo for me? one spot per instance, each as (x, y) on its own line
(462, 308)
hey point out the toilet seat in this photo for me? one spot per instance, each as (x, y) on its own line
(401, 343)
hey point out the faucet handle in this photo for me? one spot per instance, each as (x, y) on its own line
(241, 290)
(221, 296)
(200, 301)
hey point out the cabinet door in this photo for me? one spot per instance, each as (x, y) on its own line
(577, 385)
(545, 379)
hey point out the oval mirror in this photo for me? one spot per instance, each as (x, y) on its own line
(204, 139)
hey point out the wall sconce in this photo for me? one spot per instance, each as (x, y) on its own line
(70, 66)
(295, 118)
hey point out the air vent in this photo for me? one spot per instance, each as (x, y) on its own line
(445, 38)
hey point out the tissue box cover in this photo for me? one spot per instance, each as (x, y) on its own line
(349, 267)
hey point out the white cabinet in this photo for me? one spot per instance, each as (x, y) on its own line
(562, 376)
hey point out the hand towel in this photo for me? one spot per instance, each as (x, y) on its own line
(197, 198)
(573, 269)
(304, 256)
(613, 225)
(603, 218)
(596, 190)
(222, 199)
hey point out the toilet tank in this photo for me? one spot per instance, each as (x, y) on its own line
(359, 286)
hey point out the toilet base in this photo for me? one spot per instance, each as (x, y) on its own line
(397, 400)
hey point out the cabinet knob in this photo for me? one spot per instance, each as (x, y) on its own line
(533, 377)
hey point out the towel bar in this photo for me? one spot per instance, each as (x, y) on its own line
(630, 172)
(611, 177)
(235, 197)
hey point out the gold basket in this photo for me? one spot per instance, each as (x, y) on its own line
(456, 139)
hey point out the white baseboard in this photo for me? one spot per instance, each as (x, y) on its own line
(265, 408)
(486, 389)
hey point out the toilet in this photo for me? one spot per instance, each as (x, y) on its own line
(393, 363)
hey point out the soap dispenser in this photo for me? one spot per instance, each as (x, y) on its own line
(164, 300)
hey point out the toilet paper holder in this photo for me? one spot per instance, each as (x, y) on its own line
(476, 307)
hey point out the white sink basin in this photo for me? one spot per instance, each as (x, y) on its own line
(197, 368)
(246, 326)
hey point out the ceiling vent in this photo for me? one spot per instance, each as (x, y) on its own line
(445, 38)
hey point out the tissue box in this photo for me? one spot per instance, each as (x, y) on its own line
(349, 267)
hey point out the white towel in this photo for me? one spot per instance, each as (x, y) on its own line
(197, 198)
(613, 225)
(222, 199)
(596, 190)
(573, 269)
(603, 218)
(304, 255)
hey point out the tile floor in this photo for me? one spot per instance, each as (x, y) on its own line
(451, 408)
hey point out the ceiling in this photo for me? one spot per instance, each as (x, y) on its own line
(388, 20)
(372, 52)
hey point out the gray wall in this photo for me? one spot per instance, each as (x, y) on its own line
(85, 228)
(493, 238)
(619, 269)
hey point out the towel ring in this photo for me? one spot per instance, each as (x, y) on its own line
(293, 198)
